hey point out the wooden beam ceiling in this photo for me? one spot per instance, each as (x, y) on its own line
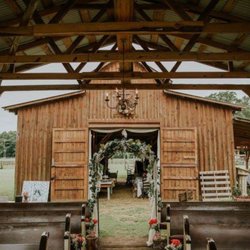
(116, 28)
(119, 75)
(133, 56)
(104, 86)
(124, 12)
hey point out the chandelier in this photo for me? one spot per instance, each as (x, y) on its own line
(125, 103)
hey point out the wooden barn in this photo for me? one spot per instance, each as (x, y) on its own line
(58, 135)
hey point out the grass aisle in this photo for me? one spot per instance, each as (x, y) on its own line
(123, 215)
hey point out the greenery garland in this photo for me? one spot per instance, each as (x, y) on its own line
(139, 149)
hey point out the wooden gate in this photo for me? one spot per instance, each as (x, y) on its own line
(179, 160)
(69, 172)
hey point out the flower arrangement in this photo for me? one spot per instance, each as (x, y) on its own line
(77, 242)
(91, 226)
(174, 245)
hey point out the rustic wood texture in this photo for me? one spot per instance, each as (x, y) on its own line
(69, 172)
(179, 161)
(212, 145)
(34, 140)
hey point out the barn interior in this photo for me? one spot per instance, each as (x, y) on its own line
(126, 169)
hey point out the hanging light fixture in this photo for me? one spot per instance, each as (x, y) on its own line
(126, 103)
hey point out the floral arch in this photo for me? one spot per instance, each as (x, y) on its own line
(140, 149)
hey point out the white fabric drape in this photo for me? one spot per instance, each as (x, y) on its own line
(132, 130)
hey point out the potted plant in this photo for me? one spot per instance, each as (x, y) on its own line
(91, 238)
(78, 242)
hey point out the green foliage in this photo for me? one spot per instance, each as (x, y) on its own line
(236, 191)
(231, 97)
(8, 144)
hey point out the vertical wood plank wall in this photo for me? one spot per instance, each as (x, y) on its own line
(35, 124)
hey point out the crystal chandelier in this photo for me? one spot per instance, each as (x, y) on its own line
(125, 103)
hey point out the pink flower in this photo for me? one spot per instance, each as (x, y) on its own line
(95, 221)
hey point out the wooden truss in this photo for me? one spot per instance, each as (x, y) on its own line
(40, 33)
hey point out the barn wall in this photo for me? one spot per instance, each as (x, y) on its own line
(34, 140)
(215, 130)
(213, 123)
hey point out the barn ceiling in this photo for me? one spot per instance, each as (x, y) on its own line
(38, 32)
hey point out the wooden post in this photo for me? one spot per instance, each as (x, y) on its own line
(186, 234)
(211, 245)
(67, 240)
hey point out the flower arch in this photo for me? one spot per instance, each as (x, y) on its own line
(140, 149)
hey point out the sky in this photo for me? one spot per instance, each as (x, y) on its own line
(8, 121)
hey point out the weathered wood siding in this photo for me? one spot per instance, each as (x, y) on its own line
(34, 137)
(213, 123)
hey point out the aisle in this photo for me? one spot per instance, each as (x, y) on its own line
(123, 215)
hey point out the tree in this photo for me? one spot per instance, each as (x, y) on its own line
(8, 144)
(231, 97)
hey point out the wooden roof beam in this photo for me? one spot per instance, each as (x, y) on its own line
(134, 56)
(94, 50)
(128, 86)
(177, 8)
(130, 28)
(119, 75)
(53, 45)
(100, 65)
(204, 16)
(31, 7)
(124, 12)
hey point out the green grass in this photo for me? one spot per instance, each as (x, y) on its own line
(124, 222)
(7, 183)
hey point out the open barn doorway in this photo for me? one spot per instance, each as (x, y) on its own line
(125, 210)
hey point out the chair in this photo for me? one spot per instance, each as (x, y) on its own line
(145, 188)
(113, 175)
(130, 177)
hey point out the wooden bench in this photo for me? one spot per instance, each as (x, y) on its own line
(42, 246)
(165, 228)
(228, 223)
(17, 220)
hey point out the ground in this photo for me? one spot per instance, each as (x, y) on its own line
(124, 215)
(7, 174)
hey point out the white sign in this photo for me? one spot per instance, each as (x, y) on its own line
(37, 191)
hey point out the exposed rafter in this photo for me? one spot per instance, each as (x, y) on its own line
(127, 86)
(133, 56)
(116, 28)
(120, 76)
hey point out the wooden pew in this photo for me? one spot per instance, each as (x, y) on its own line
(228, 223)
(165, 228)
(164, 224)
(211, 244)
(42, 246)
(20, 219)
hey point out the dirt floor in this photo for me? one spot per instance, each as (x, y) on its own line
(123, 215)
